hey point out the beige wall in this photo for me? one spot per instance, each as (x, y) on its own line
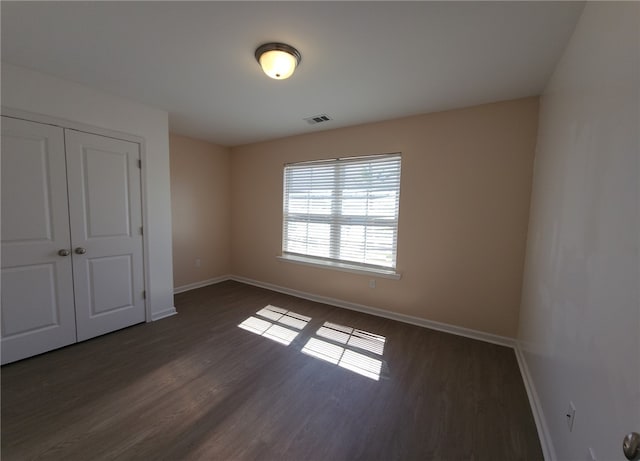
(466, 181)
(200, 206)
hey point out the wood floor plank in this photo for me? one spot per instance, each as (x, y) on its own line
(195, 386)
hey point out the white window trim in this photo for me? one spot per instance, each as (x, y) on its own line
(340, 266)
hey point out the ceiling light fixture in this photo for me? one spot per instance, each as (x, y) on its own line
(278, 60)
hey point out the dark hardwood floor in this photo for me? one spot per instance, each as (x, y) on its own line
(195, 386)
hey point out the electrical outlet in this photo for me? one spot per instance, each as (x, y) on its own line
(372, 283)
(571, 415)
(198, 262)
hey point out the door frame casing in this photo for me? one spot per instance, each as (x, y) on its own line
(85, 128)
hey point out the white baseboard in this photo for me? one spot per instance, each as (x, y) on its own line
(447, 328)
(204, 283)
(536, 408)
(162, 314)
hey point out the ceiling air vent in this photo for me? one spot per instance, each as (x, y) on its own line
(317, 119)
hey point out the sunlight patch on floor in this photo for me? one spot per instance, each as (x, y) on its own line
(352, 337)
(343, 353)
(281, 327)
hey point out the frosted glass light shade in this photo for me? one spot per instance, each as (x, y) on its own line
(278, 64)
(278, 60)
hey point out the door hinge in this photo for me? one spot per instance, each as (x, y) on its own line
(141, 230)
(139, 163)
(144, 294)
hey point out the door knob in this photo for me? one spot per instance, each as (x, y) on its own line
(64, 252)
(631, 446)
(81, 251)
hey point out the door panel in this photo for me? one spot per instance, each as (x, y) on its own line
(30, 218)
(37, 309)
(111, 283)
(37, 289)
(105, 189)
(105, 215)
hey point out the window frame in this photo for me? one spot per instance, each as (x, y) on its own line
(367, 222)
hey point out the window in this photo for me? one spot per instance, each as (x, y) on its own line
(343, 212)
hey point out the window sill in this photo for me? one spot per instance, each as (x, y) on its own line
(381, 273)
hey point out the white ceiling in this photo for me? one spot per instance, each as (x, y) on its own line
(361, 61)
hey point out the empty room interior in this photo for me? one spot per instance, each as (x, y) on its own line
(320, 230)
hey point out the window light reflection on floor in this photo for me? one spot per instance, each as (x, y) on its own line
(346, 357)
(279, 329)
(351, 337)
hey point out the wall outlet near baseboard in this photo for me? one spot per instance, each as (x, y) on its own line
(198, 262)
(372, 283)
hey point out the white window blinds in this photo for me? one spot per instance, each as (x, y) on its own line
(343, 211)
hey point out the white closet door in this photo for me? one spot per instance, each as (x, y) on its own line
(37, 289)
(106, 219)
